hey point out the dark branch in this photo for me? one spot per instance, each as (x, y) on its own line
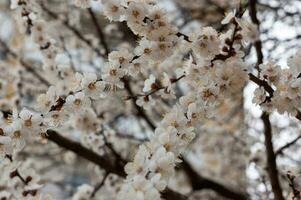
(262, 83)
(169, 194)
(99, 31)
(102, 161)
(198, 182)
(74, 30)
(257, 44)
(84, 152)
(24, 64)
(99, 185)
(271, 157)
(140, 110)
(288, 145)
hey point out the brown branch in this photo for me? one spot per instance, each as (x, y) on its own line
(229, 42)
(74, 30)
(99, 31)
(268, 89)
(185, 37)
(262, 83)
(131, 137)
(288, 145)
(99, 185)
(257, 44)
(198, 182)
(118, 157)
(24, 64)
(112, 167)
(140, 110)
(126, 82)
(298, 116)
(271, 157)
(16, 173)
(296, 192)
(169, 194)
(102, 161)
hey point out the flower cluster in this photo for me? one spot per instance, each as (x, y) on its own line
(286, 87)
(23, 180)
(212, 78)
(154, 161)
(209, 64)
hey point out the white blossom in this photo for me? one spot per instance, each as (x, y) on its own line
(91, 87)
(147, 102)
(83, 192)
(229, 17)
(113, 10)
(77, 102)
(82, 3)
(294, 63)
(205, 43)
(259, 96)
(149, 84)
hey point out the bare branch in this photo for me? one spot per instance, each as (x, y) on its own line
(99, 185)
(198, 182)
(271, 158)
(288, 145)
(25, 65)
(99, 31)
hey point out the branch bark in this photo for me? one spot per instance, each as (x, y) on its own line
(288, 145)
(100, 34)
(257, 44)
(198, 182)
(74, 30)
(25, 65)
(271, 157)
(102, 161)
(140, 110)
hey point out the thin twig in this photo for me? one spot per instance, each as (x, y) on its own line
(99, 185)
(24, 64)
(288, 145)
(99, 31)
(72, 29)
(158, 88)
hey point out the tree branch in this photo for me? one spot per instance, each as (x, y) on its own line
(140, 110)
(99, 185)
(288, 145)
(257, 44)
(271, 158)
(262, 83)
(72, 29)
(86, 153)
(198, 182)
(24, 64)
(99, 31)
(102, 161)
